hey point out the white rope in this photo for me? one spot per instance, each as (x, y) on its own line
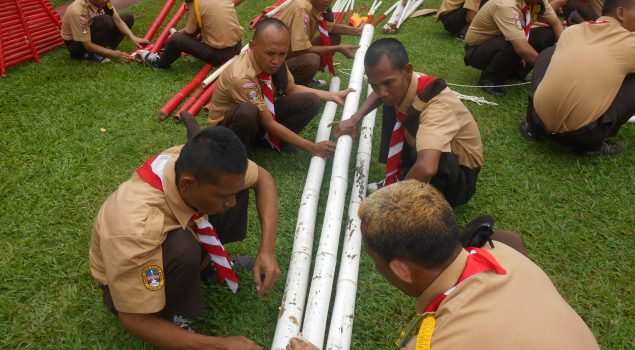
(479, 100)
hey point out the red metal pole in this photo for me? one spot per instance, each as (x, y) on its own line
(195, 96)
(202, 100)
(159, 20)
(36, 56)
(163, 37)
(3, 68)
(181, 95)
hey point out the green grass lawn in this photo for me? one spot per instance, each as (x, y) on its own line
(71, 132)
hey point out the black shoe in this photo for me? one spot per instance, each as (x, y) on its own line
(375, 186)
(93, 57)
(607, 149)
(489, 87)
(478, 232)
(460, 36)
(288, 149)
(183, 323)
(527, 133)
(318, 84)
(150, 58)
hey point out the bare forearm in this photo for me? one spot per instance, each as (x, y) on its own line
(346, 30)
(321, 50)
(100, 50)
(191, 125)
(267, 205)
(371, 103)
(283, 133)
(166, 335)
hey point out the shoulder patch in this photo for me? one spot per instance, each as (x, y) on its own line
(152, 276)
(515, 14)
(253, 95)
(519, 24)
(249, 84)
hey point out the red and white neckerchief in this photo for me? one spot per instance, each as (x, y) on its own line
(477, 262)
(152, 172)
(325, 40)
(530, 13)
(267, 94)
(393, 163)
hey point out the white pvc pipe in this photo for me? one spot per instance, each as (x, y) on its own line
(341, 326)
(317, 308)
(292, 305)
(210, 79)
(632, 120)
(278, 9)
(409, 11)
(394, 18)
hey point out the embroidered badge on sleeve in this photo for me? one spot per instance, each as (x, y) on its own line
(153, 277)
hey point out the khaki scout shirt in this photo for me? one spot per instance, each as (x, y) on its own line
(596, 6)
(238, 84)
(131, 226)
(502, 18)
(586, 71)
(303, 22)
(77, 20)
(220, 27)
(445, 124)
(448, 6)
(520, 310)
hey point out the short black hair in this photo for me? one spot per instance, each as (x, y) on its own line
(410, 220)
(392, 49)
(610, 6)
(269, 21)
(212, 152)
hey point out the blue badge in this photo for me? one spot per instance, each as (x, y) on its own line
(153, 277)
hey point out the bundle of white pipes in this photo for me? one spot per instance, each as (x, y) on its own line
(317, 308)
(410, 8)
(292, 307)
(314, 324)
(391, 26)
(341, 326)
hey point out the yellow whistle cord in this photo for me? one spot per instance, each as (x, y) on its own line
(197, 12)
(424, 338)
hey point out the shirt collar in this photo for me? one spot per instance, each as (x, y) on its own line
(609, 19)
(410, 94)
(443, 282)
(180, 209)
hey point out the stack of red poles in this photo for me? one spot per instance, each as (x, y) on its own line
(28, 29)
(194, 104)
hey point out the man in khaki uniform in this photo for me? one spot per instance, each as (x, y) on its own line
(92, 29)
(144, 251)
(443, 144)
(217, 23)
(584, 91)
(456, 15)
(577, 11)
(305, 52)
(490, 297)
(240, 103)
(501, 43)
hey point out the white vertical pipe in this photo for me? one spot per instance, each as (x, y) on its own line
(341, 327)
(292, 305)
(319, 297)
